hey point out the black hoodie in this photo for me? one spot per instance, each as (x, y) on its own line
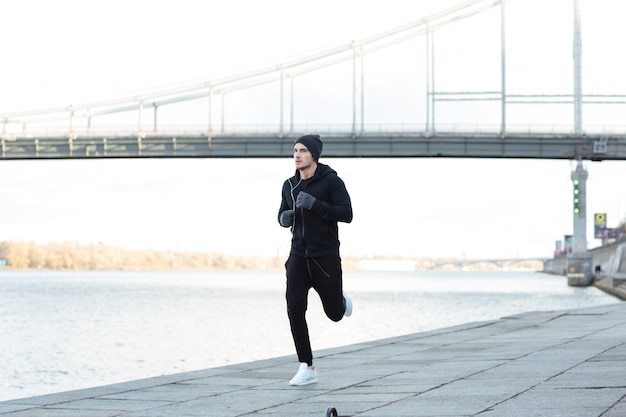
(315, 231)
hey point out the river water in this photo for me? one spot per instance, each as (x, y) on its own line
(68, 330)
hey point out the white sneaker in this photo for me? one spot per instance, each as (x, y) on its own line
(305, 376)
(348, 302)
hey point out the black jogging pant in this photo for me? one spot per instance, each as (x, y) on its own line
(324, 275)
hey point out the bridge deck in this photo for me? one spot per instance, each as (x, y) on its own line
(543, 146)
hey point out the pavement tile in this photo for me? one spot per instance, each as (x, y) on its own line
(170, 392)
(52, 412)
(109, 404)
(431, 407)
(7, 407)
(592, 375)
(563, 399)
(617, 410)
(530, 411)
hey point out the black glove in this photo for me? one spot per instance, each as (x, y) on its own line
(286, 218)
(305, 200)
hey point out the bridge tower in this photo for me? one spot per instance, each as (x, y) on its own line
(579, 261)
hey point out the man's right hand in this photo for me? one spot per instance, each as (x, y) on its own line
(286, 218)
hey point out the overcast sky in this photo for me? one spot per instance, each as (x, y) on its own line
(62, 52)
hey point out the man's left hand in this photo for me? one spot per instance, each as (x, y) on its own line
(305, 200)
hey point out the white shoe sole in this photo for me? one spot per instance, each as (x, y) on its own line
(348, 301)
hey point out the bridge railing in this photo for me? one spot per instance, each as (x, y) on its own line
(273, 129)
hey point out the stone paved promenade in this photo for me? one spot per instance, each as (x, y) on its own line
(561, 363)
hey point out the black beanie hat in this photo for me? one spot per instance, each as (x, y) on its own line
(313, 143)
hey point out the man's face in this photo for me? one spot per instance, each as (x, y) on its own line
(302, 157)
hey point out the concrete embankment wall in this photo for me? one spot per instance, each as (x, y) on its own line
(610, 258)
(557, 266)
(607, 259)
(608, 266)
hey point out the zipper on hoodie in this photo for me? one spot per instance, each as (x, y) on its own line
(306, 249)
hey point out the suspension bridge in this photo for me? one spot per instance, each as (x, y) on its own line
(143, 125)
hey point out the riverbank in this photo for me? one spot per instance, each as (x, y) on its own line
(608, 265)
(541, 364)
(614, 284)
(76, 256)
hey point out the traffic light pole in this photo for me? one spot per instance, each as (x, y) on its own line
(579, 271)
(579, 260)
